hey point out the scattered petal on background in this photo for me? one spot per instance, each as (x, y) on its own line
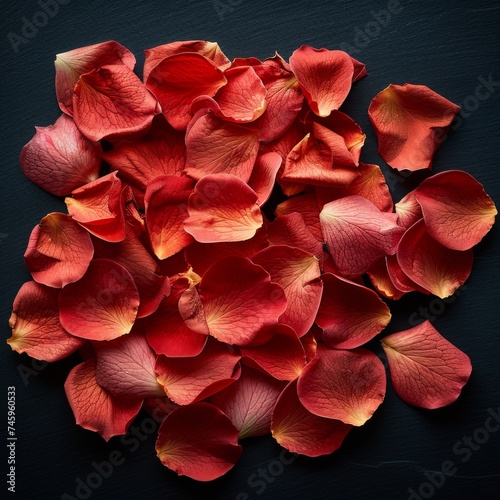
(95, 408)
(431, 265)
(343, 385)
(249, 402)
(102, 305)
(357, 233)
(222, 208)
(381, 280)
(350, 314)
(239, 300)
(325, 77)
(59, 251)
(111, 102)
(408, 210)
(300, 431)
(201, 452)
(426, 370)
(59, 158)
(126, 367)
(457, 212)
(74, 63)
(187, 380)
(264, 175)
(411, 122)
(36, 329)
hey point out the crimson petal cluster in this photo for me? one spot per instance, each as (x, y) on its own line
(181, 294)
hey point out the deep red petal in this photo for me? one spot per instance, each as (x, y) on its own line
(264, 175)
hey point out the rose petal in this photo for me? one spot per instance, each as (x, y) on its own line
(59, 158)
(408, 210)
(426, 370)
(457, 212)
(249, 402)
(95, 408)
(102, 305)
(300, 431)
(201, 452)
(431, 265)
(222, 208)
(381, 280)
(187, 380)
(239, 300)
(264, 174)
(59, 251)
(411, 122)
(350, 314)
(36, 329)
(343, 385)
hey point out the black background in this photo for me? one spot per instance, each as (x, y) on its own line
(446, 45)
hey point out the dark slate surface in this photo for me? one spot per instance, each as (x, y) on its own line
(451, 47)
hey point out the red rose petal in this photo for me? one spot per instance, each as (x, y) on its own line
(381, 280)
(400, 279)
(187, 380)
(300, 431)
(350, 314)
(410, 122)
(59, 251)
(343, 385)
(222, 208)
(71, 65)
(59, 158)
(325, 77)
(98, 206)
(111, 101)
(264, 174)
(201, 452)
(357, 233)
(102, 305)
(216, 146)
(240, 300)
(178, 79)
(409, 210)
(36, 329)
(298, 273)
(167, 332)
(166, 210)
(126, 367)
(95, 408)
(431, 265)
(282, 357)
(457, 212)
(426, 370)
(249, 402)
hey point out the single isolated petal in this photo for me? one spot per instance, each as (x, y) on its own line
(283, 356)
(426, 370)
(36, 329)
(99, 207)
(111, 102)
(71, 65)
(59, 251)
(102, 305)
(249, 402)
(300, 431)
(95, 408)
(357, 233)
(166, 210)
(201, 452)
(187, 380)
(178, 79)
(239, 300)
(325, 77)
(350, 314)
(431, 265)
(59, 158)
(216, 146)
(126, 367)
(457, 212)
(343, 385)
(411, 122)
(298, 273)
(222, 208)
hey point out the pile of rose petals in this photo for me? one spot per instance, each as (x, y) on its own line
(184, 298)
